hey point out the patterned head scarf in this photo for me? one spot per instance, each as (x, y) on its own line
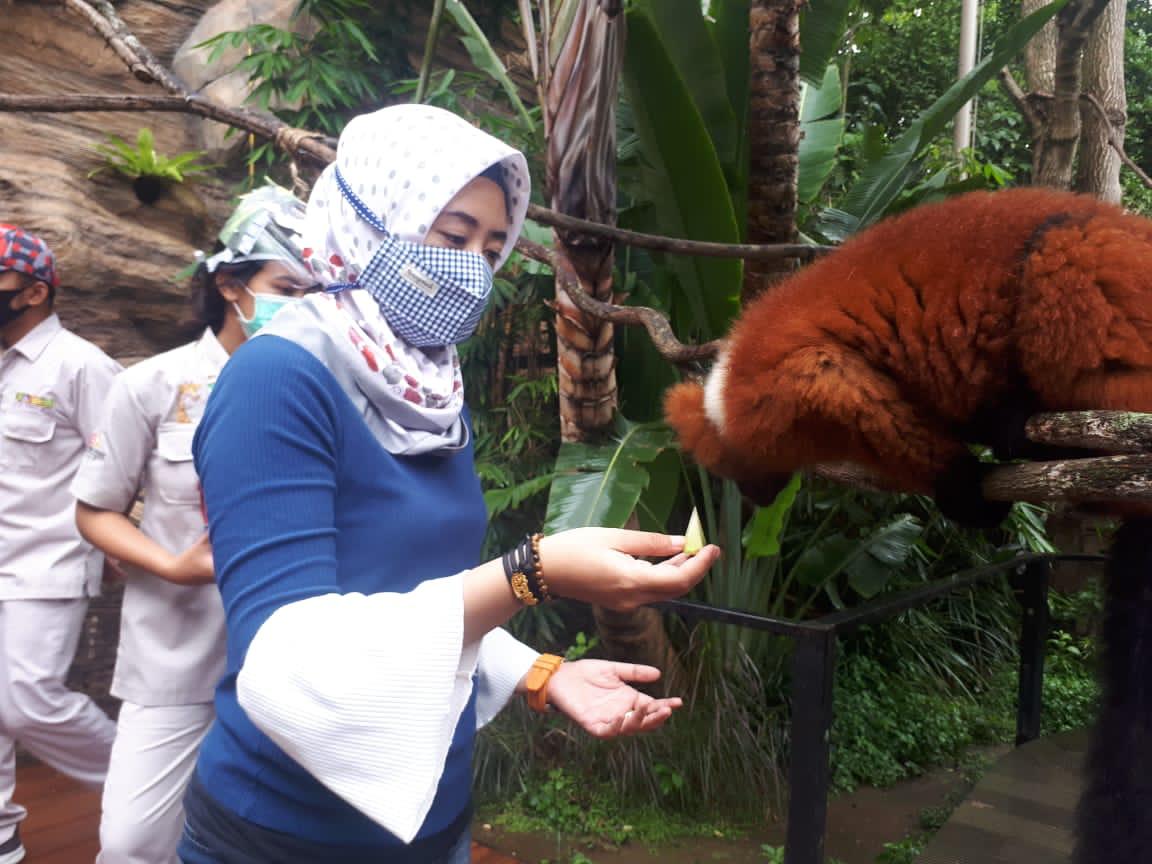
(405, 162)
(27, 253)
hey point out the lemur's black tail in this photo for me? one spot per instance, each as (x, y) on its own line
(1115, 817)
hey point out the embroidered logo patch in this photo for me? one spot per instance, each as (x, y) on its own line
(41, 403)
(190, 397)
(94, 446)
(417, 278)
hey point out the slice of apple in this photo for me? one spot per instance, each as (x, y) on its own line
(694, 536)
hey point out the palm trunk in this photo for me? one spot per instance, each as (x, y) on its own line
(580, 103)
(774, 135)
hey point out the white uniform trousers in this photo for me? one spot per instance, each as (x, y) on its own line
(63, 728)
(152, 763)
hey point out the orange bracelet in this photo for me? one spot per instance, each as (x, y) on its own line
(536, 682)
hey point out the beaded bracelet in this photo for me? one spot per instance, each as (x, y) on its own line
(525, 573)
(538, 568)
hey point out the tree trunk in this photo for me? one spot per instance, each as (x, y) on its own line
(1098, 170)
(1060, 136)
(1040, 53)
(773, 135)
(581, 97)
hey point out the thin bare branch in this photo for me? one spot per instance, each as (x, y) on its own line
(159, 72)
(1114, 139)
(315, 146)
(294, 141)
(659, 330)
(143, 65)
(747, 251)
(1020, 99)
(105, 28)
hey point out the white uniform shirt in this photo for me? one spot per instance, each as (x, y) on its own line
(171, 636)
(52, 386)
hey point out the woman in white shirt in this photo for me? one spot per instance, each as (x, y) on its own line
(172, 644)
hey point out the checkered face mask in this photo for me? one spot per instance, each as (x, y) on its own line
(429, 296)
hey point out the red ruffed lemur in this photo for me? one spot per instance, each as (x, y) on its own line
(944, 326)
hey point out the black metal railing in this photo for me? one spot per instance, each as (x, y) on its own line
(813, 675)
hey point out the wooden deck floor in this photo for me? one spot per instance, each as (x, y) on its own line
(64, 817)
(1021, 812)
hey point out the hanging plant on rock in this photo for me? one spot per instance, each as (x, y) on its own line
(152, 173)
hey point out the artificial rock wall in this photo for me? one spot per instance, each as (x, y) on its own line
(118, 258)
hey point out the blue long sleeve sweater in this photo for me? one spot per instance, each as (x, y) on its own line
(303, 501)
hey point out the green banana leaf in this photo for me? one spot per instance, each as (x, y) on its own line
(882, 180)
(729, 28)
(601, 484)
(684, 176)
(655, 505)
(485, 57)
(823, 24)
(682, 30)
(498, 501)
(821, 132)
(762, 533)
(868, 561)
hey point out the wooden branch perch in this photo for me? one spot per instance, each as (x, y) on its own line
(1101, 480)
(1106, 431)
(1112, 479)
(1124, 479)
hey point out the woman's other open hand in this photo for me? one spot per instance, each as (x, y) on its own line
(597, 695)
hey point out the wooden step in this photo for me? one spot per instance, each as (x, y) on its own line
(1022, 811)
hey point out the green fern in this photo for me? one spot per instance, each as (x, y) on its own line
(144, 161)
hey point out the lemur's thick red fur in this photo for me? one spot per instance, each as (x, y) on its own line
(904, 343)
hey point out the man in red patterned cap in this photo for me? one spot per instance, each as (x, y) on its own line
(52, 384)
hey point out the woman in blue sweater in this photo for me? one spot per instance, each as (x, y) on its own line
(346, 518)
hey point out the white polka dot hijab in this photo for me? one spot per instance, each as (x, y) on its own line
(405, 163)
(396, 169)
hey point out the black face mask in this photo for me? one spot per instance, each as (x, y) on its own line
(7, 313)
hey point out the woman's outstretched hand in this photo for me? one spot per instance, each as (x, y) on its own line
(606, 566)
(597, 695)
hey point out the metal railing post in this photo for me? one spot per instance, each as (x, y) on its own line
(1033, 636)
(813, 673)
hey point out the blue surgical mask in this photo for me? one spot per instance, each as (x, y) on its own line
(264, 306)
(429, 296)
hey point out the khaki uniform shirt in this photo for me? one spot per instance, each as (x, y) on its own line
(52, 386)
(171, 636)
